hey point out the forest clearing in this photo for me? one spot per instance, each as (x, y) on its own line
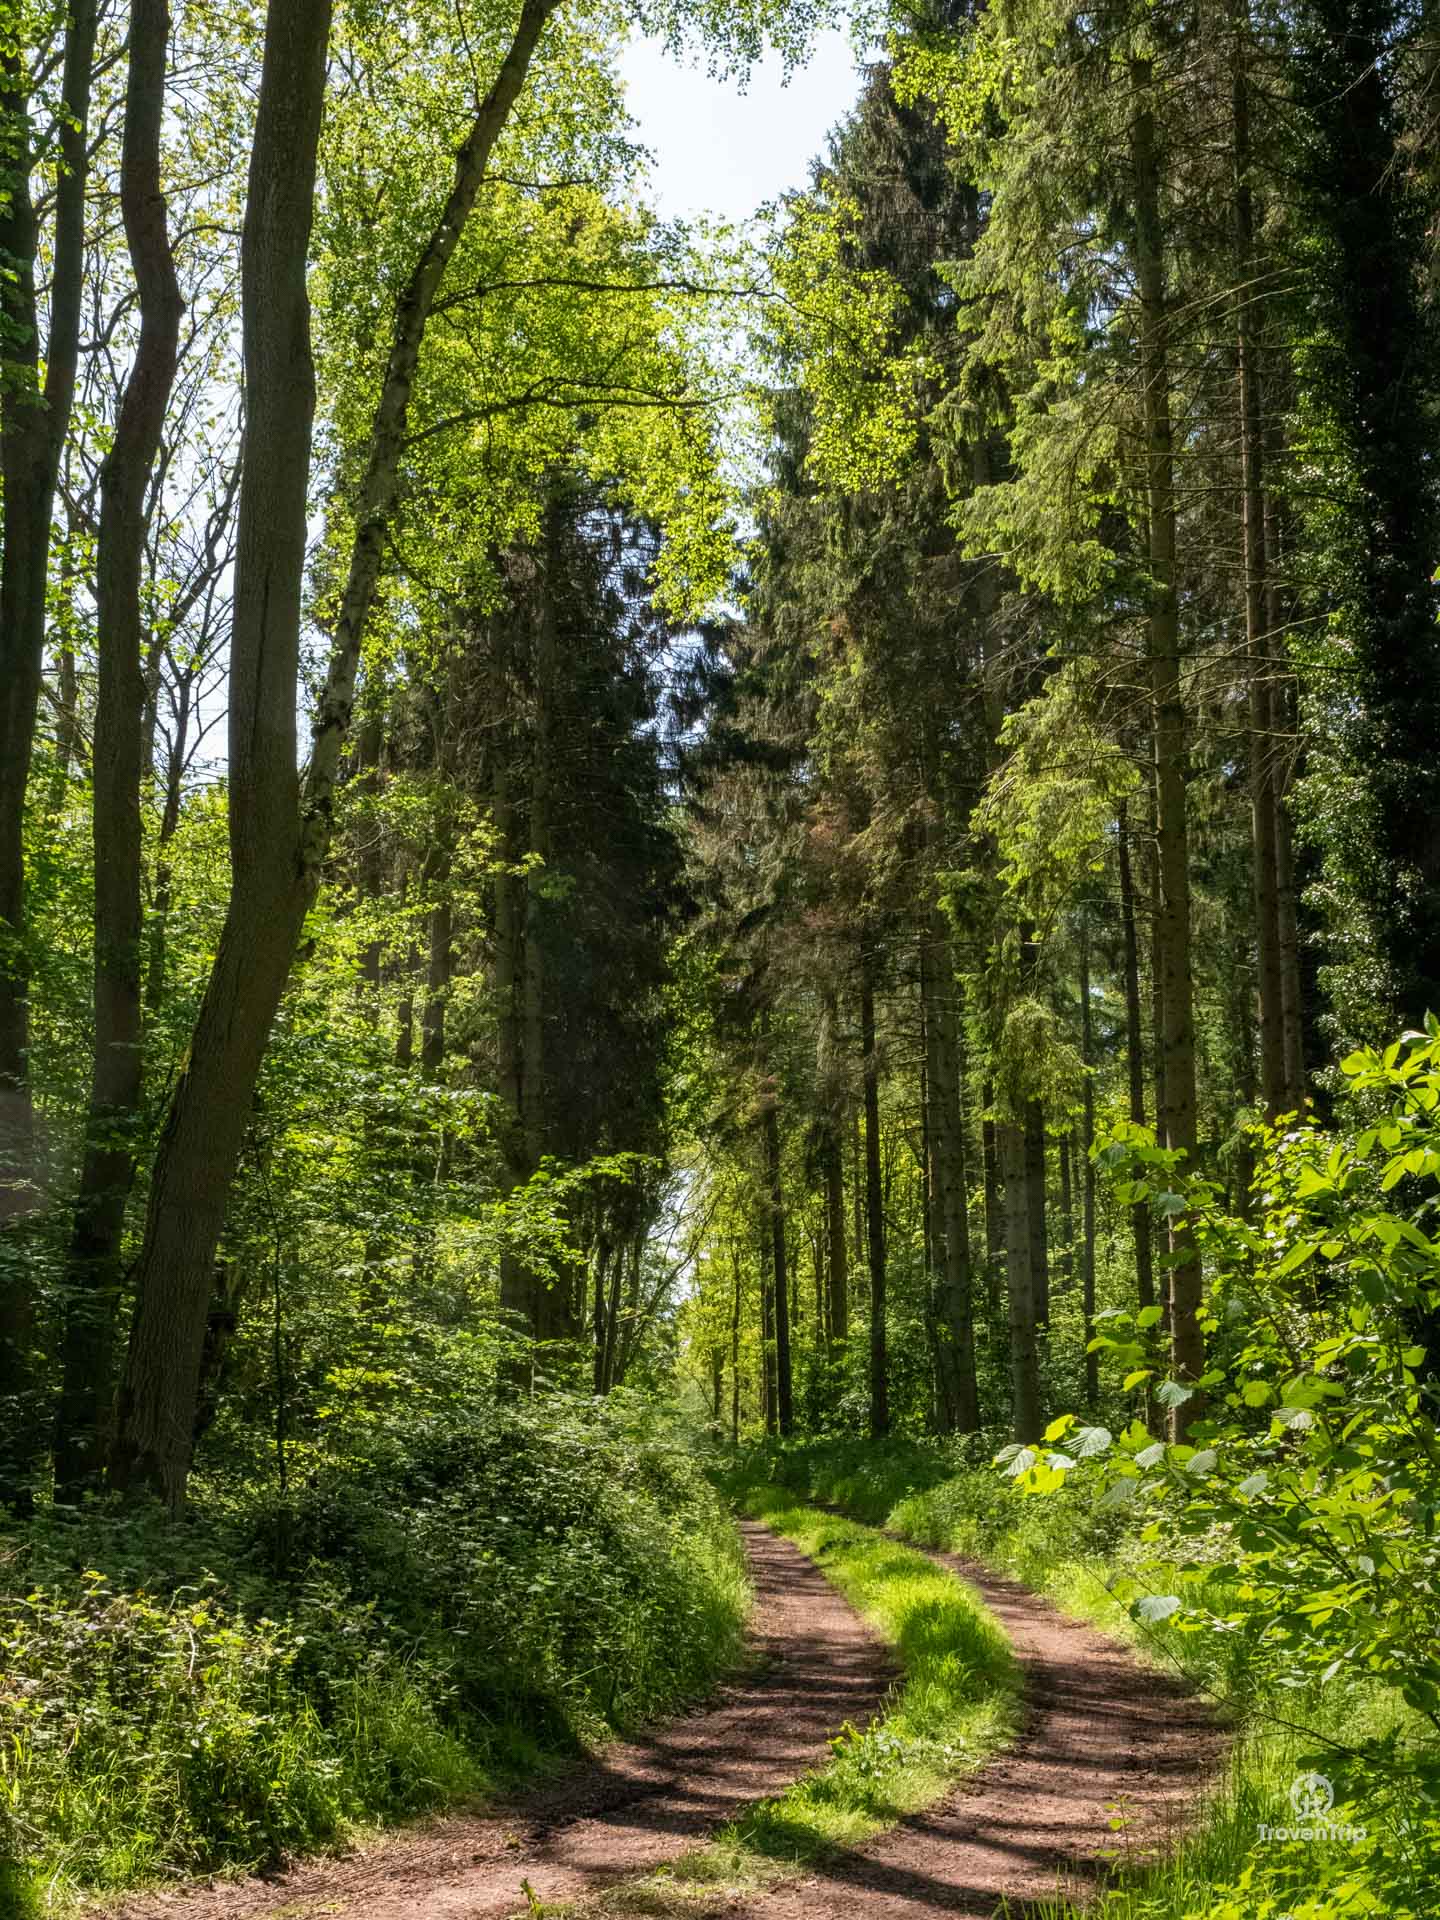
(719, 962)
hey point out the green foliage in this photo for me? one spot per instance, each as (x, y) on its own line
(1297, 1525)
(442, 1615)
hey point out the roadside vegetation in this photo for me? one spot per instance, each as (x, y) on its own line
(469, 1605)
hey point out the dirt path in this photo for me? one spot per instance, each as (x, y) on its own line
(1101, 1734)
(815, 1666)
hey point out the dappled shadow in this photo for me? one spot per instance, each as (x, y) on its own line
(812, 1666)
(1111, 1758)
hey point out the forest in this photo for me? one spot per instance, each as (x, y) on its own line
(719, 967)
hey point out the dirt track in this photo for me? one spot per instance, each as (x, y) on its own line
(1102, 1735)
(814, 1666)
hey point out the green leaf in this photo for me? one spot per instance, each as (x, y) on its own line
(1149, 1316)
(1156, 1607)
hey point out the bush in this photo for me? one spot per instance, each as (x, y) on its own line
(467, 1604)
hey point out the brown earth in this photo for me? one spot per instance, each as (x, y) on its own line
(813, 1665)
(1103, 1738)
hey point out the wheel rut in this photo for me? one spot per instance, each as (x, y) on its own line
(813, 1665)
(1103, 1737)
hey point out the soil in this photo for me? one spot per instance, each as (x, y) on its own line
(812, 1666)
(1104, 1738)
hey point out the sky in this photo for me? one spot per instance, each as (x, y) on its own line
(721, 152)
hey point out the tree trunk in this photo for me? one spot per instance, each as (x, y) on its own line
(1065, 1259)
(767, 1331)
(278, 846)
(94, 1271)
(1292, 1003)
(205, 1125)
(874, 1205)
(1173, 907)
(735, 1350)
(1087, 1142)
(1134, 1056)
(35, 411)
(1258, 642)
(835, 1232)
(599, 1333)
(1035, 1179)
(958, 1402)
(1020, 1277)
(994, 1206)
(775, 1208)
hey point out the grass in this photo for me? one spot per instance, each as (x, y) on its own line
(1061, 1547)
(956, 1704)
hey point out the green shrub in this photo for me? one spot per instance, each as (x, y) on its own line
(463, 1606)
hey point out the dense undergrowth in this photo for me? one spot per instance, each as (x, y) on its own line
(466, 1605)
(1070, 1547)
(955, 1704)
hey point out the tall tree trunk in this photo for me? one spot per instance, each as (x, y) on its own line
(874, 1204)
(735, 1349)
(958, 1395)
(767, 1330)
(1065, 1259)
(994, 1205)
(838, 1261)
(599, 1331)
(278, 846)
(775, 1210)
(1187, 1351)
(1291, 1000)
(1087, 1142)
(1020, 1276)
(35, 411)
(1258, 641)
(205, 1126)
(1035, 1182)
(1134, 1054)
(94, 1271)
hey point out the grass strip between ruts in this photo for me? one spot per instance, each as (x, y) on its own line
(956, 1704)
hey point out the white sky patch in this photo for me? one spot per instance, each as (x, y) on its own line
(723, 153)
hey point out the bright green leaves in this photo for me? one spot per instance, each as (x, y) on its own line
(1316, 1464)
